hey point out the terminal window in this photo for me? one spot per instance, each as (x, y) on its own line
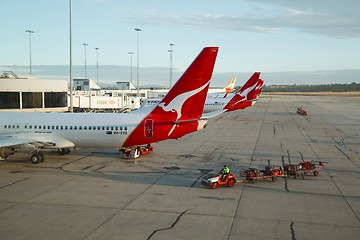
(55, 99)
(9, 100)
(32, 100)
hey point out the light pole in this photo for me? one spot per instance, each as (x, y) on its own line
(171, 52)
(85, 44)
(71, 80)
(137, 68)
(97, 65)
(131, 68)
(30, 32)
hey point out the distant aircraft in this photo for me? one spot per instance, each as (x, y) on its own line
(244, 98)
(216, 105)
(211, 93)
(176, 115)
(228, 89)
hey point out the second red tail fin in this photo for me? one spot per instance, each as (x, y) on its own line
(246, 94)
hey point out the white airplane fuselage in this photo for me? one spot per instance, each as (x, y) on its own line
(85, 130)
(215, 103)
(178, 114)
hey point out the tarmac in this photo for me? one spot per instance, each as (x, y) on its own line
(94, 194)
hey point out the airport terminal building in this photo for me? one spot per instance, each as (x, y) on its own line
(32, 94)
(28, 93)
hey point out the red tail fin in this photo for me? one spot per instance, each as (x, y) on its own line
(179, 111)
(246, 94)
(250, 83)
(188, 95)
(258, 88)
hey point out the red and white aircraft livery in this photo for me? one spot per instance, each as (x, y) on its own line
(212, 93)
(247, 95)
(177, 114)
(244, 98)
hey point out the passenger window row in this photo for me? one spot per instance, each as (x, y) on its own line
(45, 127)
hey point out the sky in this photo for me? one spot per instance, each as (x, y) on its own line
(308, 37)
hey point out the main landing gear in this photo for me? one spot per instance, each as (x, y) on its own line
(37, 157)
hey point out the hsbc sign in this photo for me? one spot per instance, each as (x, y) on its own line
(106, 102)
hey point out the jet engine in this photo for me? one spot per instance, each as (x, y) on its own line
(5, 152)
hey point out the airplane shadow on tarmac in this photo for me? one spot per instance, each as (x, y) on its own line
(109, 166)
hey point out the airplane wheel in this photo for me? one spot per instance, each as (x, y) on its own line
(36, 158)
(42, 158)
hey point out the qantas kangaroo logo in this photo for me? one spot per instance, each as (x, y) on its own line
(260, 85)
(177, 103)
(245, 93)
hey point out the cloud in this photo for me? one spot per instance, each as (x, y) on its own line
(340, 19)
(333, 18)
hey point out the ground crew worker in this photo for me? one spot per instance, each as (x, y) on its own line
(224, 171)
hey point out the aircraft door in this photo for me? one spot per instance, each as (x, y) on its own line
(148, 128)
